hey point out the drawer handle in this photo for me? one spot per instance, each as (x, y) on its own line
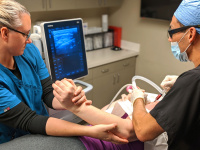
(126, 64)
(99, 1)
(114, 78)
(49, 3)
(118, 77)
(43, 4)
(105, 70)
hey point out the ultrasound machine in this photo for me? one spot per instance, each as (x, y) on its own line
(65, 56)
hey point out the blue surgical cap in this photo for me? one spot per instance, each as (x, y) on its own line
(188, 13)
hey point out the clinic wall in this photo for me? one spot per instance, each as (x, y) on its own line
(155, 60)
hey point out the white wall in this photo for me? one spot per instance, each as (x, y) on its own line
(156, 59)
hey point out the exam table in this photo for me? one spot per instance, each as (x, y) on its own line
(42, 142)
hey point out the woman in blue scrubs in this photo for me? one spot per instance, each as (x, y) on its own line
(25, 85)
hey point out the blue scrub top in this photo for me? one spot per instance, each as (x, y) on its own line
(28, 90)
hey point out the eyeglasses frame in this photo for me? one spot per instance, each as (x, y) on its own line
(173, 31)
(27, 35)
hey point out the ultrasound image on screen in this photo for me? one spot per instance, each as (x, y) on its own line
(65, 41)
(67, 52)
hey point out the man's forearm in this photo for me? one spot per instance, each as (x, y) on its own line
(95, 116)
(146, 127)
(139, 112)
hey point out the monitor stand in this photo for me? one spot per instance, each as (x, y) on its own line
(86, 86)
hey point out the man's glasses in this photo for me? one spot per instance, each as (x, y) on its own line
(24, 34)
(173, 31)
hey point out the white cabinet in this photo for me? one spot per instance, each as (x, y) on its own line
(82, 4)
(48, 5)
(97, 3)
(52, 5)
(103, 90)
(108, 79)
(34, 5)
(109, 3)
(61, 4)
(88, 79)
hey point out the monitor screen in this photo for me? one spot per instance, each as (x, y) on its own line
(64, 49)
(159, 9)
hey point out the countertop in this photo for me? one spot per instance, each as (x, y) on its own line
(104, 56)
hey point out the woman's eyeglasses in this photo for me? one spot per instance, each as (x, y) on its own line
(24, 34)
(173, 31)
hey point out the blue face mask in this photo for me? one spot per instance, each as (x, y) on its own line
(177, 53)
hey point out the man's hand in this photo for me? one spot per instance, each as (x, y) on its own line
(168, 82)
(103, 132)
(137, 93)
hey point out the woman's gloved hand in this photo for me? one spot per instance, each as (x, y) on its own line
(168, 82)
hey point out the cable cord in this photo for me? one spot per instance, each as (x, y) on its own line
(134, 86)
(118, 94)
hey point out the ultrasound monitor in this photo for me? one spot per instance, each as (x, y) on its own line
(65, 56)
(64, 48)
